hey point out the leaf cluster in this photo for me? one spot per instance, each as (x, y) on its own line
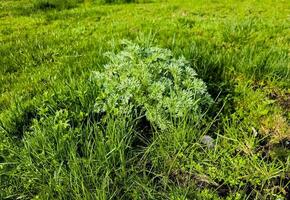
(151, 82)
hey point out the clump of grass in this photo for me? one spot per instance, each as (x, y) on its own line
(98, 125)
(122, 1)
(55, 4)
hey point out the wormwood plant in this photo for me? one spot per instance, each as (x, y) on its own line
(149, 81)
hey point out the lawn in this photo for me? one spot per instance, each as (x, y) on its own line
(162, 99)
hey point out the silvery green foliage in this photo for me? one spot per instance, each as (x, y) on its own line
(152, 82)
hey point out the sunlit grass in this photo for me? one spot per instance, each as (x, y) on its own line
(53, 145)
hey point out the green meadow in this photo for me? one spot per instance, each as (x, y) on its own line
(160, 99)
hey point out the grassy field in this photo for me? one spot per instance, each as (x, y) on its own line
(149, 100)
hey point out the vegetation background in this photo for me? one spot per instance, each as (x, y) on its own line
(56, 144)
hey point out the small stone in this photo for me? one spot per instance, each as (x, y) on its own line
(255, 133)
(208, 141)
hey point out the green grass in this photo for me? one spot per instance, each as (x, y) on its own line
(54, 144)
